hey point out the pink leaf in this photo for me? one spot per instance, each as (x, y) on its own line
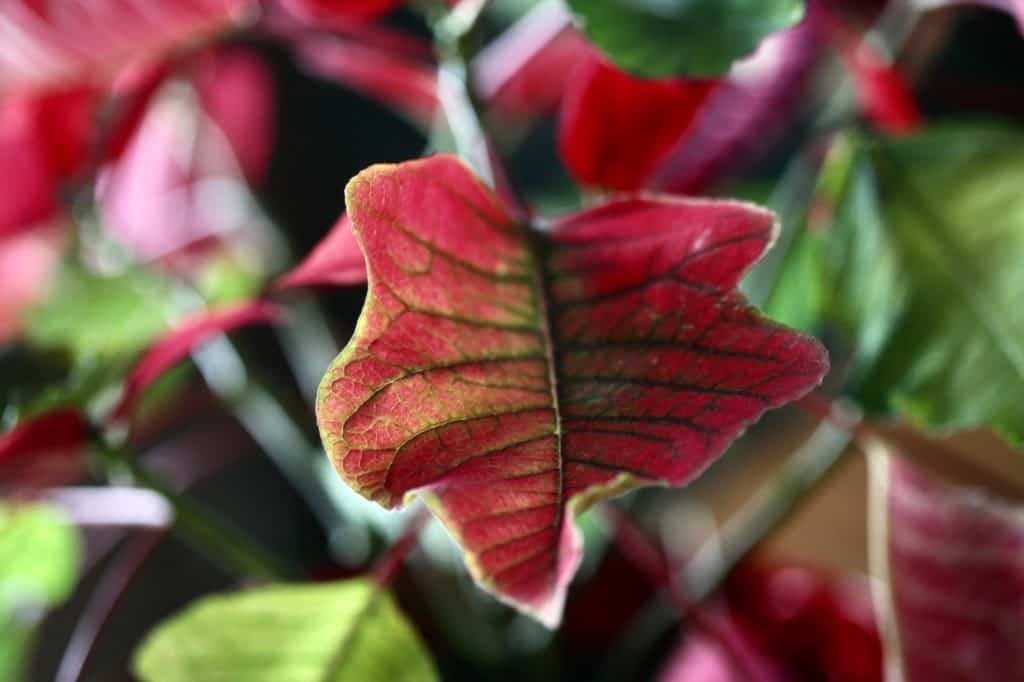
(750, 109)
(515, 377)
(26, 263)
(237, 92)
(44, 450)
(953, 564)
(182, 340)
(91, 41)
(336, 260)
(602, 113)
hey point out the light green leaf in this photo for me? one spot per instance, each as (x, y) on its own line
(923, 268)
(38, 567)
(700, 38)
(347, 631)
(94, 316)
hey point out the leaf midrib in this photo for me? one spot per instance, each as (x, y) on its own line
(538, 249)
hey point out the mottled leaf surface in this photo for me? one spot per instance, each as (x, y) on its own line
(514, 376)
(682, 37)
(951, 562)
(921, 268)
(337, 632)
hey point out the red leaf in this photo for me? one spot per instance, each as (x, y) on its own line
(330, 11)
(180, 341)
(336, 260)
(791, 624)
(752, 108)
(45, 450)
(237, 92)
(515, 377)
(43, 142)
(48, 43)
(604, 109)
(953, 602)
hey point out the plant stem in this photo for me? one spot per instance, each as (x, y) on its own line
(201, 527)
(775, 500)
(386, 568)
(634, 543)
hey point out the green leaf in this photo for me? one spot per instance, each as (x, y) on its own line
(701, 38)
(349, 630)
(94, 316)
(38, 566)
(924, 268)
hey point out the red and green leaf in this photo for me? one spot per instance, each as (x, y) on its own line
(515, 377)
(952, 562)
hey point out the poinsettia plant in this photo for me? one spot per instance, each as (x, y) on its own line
(492, 339)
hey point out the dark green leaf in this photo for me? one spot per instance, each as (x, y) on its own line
(335, 632)
(700, 38)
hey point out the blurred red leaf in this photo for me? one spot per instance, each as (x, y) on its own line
(746, 113)
(44, 450)
(516, 377)
(237, 91)
(329, 11)
(953, 565)
(793, 624)
(43, 142)
(182, 340)
(46, 44)
(336, 260)
(604, 110)
(885, 97)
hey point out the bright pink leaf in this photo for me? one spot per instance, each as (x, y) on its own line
(516, 377)
(179, 342)
(49, 43)
(604, 109)
(953, 562)
(337, 260)
(44, 450)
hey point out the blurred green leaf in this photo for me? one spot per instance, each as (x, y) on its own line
(698, 38)
(349, 630)
(922, 268)
(38, 567)
(106, 317)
